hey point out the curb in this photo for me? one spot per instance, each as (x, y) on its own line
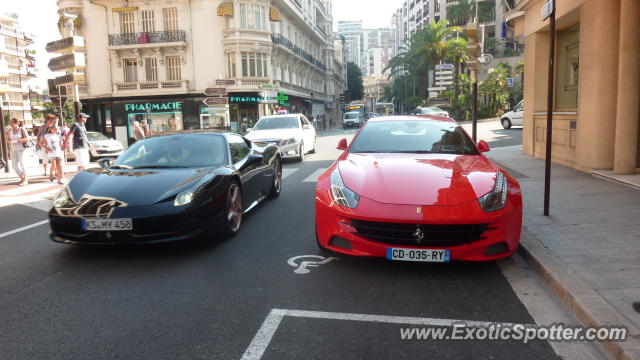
(589, 307)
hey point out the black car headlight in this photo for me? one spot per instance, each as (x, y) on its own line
(63, 199)
(341, 194)
(496, 199)
(183, 198)
(284, 142)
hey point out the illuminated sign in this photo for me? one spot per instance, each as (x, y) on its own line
(172, 105)
(283, 99)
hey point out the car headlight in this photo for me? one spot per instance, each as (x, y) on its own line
(183, 198)
(63, 199)
(341, 194)
(496, 199)
(284, 142)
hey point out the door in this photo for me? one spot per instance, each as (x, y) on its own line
(518, 113)
(249, 170)
(308, 133)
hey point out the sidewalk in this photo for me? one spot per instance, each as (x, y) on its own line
(588, 250)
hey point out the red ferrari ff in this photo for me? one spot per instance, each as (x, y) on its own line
(417, 189)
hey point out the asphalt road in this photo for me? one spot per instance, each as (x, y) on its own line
(214, 301)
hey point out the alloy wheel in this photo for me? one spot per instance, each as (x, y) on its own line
(234, 206)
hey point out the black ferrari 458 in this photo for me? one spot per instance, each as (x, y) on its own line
(167, 188)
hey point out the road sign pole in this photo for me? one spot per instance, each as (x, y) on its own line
(547, 165)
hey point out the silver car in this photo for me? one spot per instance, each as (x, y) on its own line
(513, 117)
(293, 133)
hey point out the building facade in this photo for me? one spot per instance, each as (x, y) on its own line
(17, 69)
(597, 82)
(351, 31)
(151, 60)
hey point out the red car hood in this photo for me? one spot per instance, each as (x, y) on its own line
(418, 179)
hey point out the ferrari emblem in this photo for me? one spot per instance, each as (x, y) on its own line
(419, 210)
(418, 235)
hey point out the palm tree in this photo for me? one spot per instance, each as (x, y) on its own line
(432, 41)
(462, 12)
(456, 51)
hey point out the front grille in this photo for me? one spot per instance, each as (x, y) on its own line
(419, 234)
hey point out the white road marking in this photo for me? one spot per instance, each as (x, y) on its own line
(288, 171)
(264, 335)
(314, 176)
(301, 268)
(14, 231)
(26, 189)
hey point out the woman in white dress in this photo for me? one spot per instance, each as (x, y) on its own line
(17, 137)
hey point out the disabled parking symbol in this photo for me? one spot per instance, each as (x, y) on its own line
(302, 263)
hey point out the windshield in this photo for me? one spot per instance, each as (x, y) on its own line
(94, 136)
(184, 150)
(272, 123)
(352, 115)
(430, 111)
(413, 137)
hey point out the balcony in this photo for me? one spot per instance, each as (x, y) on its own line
(279, 39)
(143, 38)
(177, 85)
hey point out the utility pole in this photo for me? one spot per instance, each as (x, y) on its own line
(473, 48)
(549, 11)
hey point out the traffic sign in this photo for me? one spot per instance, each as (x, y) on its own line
(546, 10)
(443, 83)
(441, 88)
(444, 77)
(433, 94)
(444, 72)
(215, 91)
(215, 101)
(225, 82)
(269, 86)
(509, 82)
(444, 67)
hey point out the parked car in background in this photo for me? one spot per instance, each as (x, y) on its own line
(293, 133)
(513, 117)
(353, 119)
(103, 145)
(431, 111)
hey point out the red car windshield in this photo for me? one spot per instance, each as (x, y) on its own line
(420, 137)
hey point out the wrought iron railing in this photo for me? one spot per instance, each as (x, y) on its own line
(279, 39)
(152, 37)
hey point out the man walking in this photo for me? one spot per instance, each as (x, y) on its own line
(81, 144)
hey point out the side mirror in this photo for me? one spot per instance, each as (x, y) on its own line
(483, 146)
(342, 145)
(254, 158)
(104, 163)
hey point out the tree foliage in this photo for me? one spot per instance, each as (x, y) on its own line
(355, 87)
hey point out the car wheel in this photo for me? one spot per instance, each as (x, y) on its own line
(276, 184)
(313, 151)
(506, 123)
(301, 151)
(234, 210)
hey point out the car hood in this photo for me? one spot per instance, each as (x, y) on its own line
(137, 187)
(277, 134)
(418, 179)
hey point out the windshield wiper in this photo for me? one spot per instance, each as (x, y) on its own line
(158, 167)
(127, 167)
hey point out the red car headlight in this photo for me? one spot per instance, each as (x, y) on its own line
(496, 199)
(341, 194)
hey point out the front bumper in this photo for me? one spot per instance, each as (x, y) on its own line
(156, 223)
(336, 231)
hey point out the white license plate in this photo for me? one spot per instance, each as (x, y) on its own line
(425, 255)
(107, 224)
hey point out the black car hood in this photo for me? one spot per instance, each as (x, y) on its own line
(140, 186)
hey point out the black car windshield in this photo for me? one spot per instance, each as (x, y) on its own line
(175, 151)
(413, 137)
(272, 123)
(94, 136)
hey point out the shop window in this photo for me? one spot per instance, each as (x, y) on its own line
(170, 17)
(173, 68)
(151, 68)
(238, 148)
(127, 23)
(130, 70)
(567, 68)
(148, 21)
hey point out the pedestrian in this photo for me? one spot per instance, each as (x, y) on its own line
(42, 131)
(137, 132)
(19, 140)
(54, 141)
(81, 145)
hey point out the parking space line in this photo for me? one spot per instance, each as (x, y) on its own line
(314, 176)
(264, 335)
(14, 231)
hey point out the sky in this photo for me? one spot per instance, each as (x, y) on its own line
(37, 17)
(42, 22)
(373, 13)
